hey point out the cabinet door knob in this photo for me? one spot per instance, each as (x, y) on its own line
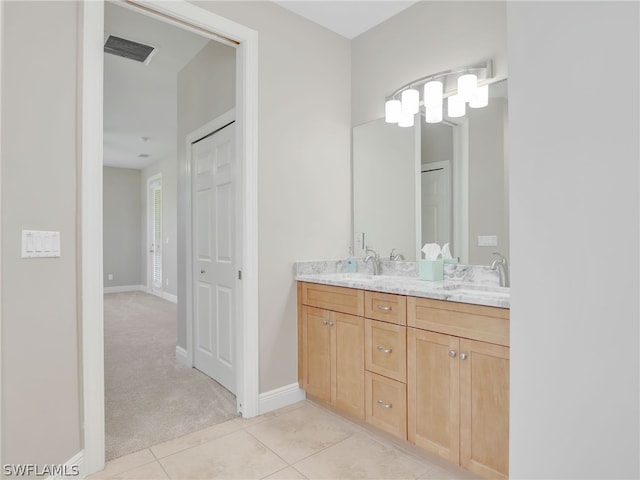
(385, 405)
(331, 324)
(384, 308)
(325, 322)
(463, 356)
(452, 353)
(381, 348)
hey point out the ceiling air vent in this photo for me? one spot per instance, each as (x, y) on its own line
(129, 49)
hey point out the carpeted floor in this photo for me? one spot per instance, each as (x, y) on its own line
(149, 396)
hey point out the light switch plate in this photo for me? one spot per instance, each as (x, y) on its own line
(487, 240)
(40, 244)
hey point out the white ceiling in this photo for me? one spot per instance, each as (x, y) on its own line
(347, 18)
(140, 100)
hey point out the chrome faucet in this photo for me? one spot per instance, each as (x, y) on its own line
(394, 257)
(372, 256)
(502, 266)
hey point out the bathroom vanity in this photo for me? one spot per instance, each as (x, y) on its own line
(428, 363)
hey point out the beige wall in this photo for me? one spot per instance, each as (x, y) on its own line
(304, 165)
(40, 359)
(574, 188)
(426, 38)
(121, 220)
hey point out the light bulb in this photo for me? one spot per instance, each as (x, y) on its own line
(406, 119)
(467, 85)
(433, 94)
(433, 114)
(481, 98)
(392, 111)
(410, 101)
(455, 106)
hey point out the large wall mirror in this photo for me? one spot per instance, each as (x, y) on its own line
(442, 183)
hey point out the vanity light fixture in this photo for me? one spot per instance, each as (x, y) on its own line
(460, 86)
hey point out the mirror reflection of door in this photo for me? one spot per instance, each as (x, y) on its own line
(436, 203)
(436, 183)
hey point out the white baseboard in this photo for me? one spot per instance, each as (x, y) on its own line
(280, 397)
(170, 297)
(71, 469)
(181, 356)
(125, 288)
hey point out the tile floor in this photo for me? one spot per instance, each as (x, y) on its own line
(302, 441)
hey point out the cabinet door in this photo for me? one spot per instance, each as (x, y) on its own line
(433, 392)
(348, 352)
(316, 351)
(484, 408)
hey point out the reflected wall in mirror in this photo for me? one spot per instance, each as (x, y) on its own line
(443, 183)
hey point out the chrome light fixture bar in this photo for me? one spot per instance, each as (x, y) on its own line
(462, 86)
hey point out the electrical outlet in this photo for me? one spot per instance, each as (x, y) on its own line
(487, 240)
(360, 240)
(166, 282)
(110, 276)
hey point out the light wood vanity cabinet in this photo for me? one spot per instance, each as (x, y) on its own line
(331, 346)
(430, 371)
(458, 388)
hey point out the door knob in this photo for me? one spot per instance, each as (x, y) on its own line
(452, 353)
(463, 356)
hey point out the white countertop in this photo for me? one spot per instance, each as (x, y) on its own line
(453, 291)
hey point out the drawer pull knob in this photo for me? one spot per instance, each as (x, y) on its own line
(463, 356)
(452, 353)
(385, 405)
(381, 348)
(384, 308)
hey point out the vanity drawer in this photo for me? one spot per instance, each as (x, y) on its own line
(386, 404)
(386, 307)
(337, 299)
(386, 349)
(477, 322)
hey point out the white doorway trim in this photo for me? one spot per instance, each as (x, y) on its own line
(179, 13)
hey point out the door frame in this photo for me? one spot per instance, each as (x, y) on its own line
(207, 129)
(153, 181)
(91, 38)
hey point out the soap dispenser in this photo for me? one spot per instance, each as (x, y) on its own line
(351, 263)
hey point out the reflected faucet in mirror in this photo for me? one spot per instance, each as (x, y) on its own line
(395, 257)
(500, 264)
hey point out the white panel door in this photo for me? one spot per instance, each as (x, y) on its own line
(436, 204)
(214, 264)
